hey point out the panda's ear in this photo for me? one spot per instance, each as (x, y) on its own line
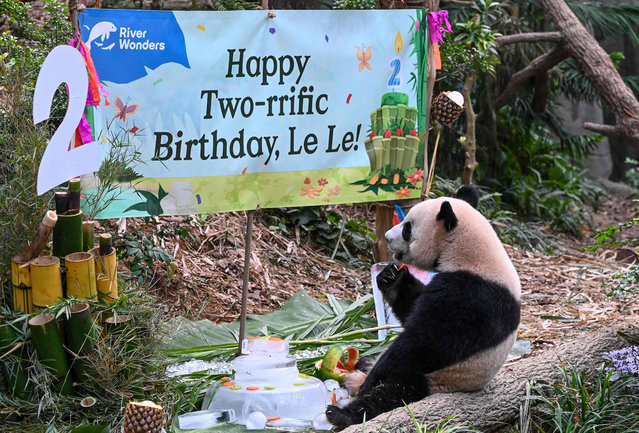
(447, 215)
(469, 194)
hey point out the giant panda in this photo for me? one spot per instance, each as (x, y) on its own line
(458, 329)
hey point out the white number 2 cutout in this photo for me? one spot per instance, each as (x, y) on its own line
(64, 64)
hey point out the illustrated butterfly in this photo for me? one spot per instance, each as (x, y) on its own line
(364, 57)
(124, 110)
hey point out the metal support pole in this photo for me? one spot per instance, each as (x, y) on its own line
(245, 278)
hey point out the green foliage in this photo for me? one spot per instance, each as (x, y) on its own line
(625, 282)
(537, 179)
(141, 252)
(350, 239)
(608, 18)
(632, 174)
(580, 404)
(118, 167)
(355, 4)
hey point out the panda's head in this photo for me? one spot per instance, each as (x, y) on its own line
(442, 231)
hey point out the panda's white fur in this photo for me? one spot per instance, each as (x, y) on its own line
(448, 236)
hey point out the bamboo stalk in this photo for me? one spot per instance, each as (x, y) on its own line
(88, 235)
(41, 235)
(67, 234)
(81, 281)
(14, 363)
(46, 338)
(61, 202)
(45, 280)
(74, 194)
(81, 335)
(21, 282)
(106, 275)
(106, 244)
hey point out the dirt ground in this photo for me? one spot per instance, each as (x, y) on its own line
(562, 294)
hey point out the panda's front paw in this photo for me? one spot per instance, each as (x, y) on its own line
(341, 418)
(387, 277)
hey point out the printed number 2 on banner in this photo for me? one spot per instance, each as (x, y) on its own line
(64, 64)
(395, 79)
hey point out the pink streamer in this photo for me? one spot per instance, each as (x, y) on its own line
(436, 22)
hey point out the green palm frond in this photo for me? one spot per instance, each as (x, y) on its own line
(609, 18)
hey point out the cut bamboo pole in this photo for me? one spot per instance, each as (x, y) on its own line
(61, 202)
(74, 194)
(46, 338)
(81, 335)
(81, 277)
(106, 275)
(21, 282)
(46, 283)
(106, 244)
(14, 364)
(88, 235)
(67, 235)
(42, 235)
(116, 324)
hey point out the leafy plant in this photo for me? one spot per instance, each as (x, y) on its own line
(350, 239)
(625, 282)
(355, 4)
(580, 404)
(142, 253)
(632, 174)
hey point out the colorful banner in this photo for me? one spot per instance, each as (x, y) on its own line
(235, 110)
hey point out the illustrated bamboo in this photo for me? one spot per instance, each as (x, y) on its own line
(41, 235)
(45, 281)
(106, 275)
(81, 276)
(67, 234)
(88, 235)
(81, 335)
(21, 281)
(74, 194)
(46, 338)
(15, 366)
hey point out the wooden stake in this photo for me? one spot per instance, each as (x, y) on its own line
(431, 170)
(245, 277)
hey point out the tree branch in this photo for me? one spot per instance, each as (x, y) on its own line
(540, 64)
(602, 129)
(529, 37)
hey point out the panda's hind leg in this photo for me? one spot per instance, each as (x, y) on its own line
(385, 396)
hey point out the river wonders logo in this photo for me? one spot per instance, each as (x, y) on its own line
(143, 42)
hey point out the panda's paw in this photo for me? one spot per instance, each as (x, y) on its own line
(341, 418)
(387, 277)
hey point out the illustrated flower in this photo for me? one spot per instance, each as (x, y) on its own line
(322, 182)
(403, 192)
(416, 176)
(311, 191)
(334, 191)
(307, 181)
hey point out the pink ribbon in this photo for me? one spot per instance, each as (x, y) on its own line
(436, 22)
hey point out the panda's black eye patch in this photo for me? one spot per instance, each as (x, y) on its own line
(407, 231)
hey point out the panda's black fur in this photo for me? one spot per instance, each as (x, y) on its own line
(458, 328)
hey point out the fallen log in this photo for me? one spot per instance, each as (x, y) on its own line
(498, 404)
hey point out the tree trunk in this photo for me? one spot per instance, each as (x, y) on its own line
(470, 142)
(599, 70)
(499, 404)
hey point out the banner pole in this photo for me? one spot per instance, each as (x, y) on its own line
(245, 278)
